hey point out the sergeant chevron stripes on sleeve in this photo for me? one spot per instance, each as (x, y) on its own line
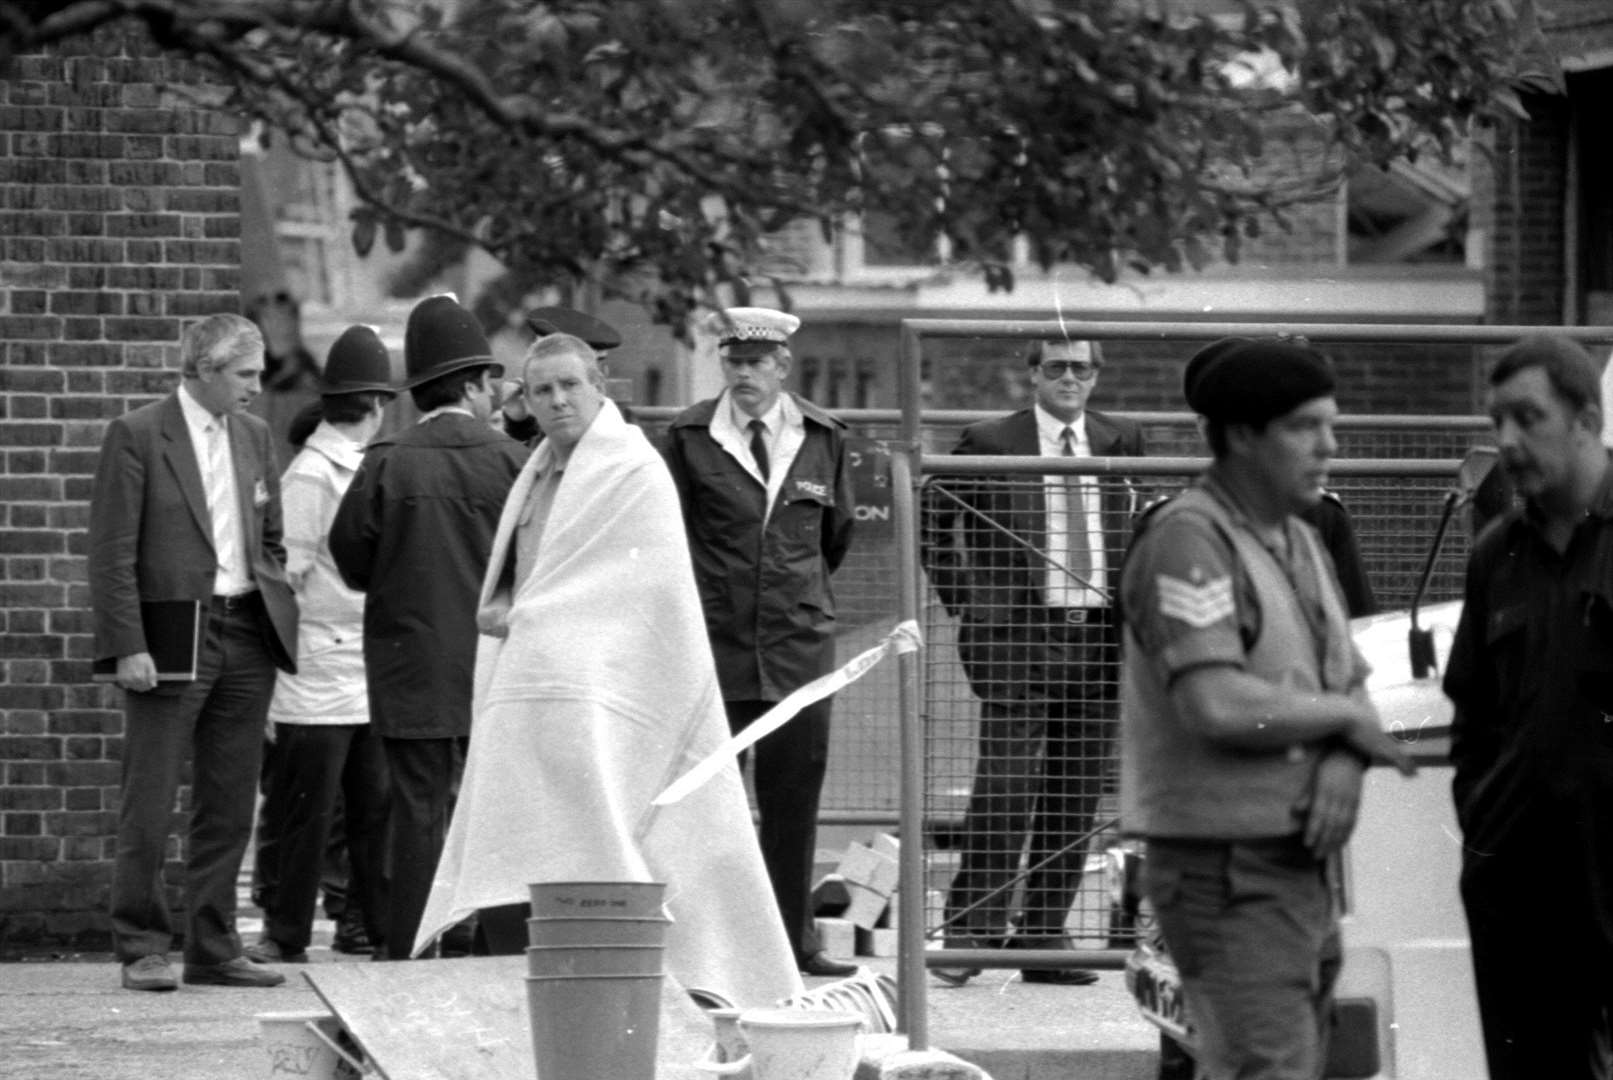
(1197, 605)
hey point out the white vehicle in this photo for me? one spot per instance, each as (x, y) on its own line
(1405, 1006)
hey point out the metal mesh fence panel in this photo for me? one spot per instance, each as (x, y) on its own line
(1008, 808)
(1394, 519)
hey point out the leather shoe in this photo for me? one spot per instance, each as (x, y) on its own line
(820, 963)
(351, 938)
(955, 976)
(1060, 976)
(152, 972)
(237, 972)
(1071, 976)
(272, 952)
(960, 976)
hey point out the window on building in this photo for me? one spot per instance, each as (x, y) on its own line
(1407, 213)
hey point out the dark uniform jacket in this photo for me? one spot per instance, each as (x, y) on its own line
(1531, 676)
(994, 581)
(413, 533)
(151, 536)
(769, 608)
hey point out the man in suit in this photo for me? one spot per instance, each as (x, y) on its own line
(1028, 570)
(766, 495)
(186, 507)
(413, 533)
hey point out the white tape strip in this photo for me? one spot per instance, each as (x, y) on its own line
(904, 638)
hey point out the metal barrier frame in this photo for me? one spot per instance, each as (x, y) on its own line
(909, 465)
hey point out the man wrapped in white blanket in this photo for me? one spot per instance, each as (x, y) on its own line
(595, 689)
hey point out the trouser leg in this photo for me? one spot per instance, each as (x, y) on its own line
(156, 739)
(310, 769)
(1252, 931)
(366, 804)
(337, 870)
(992, 842)
(1541, 1006)
(265, 850)
(227, 758)
(424, 776)
(1074, 763)
(790, 767)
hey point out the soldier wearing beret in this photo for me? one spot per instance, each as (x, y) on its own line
(1245, 726)
(413, 533)
(766, 495)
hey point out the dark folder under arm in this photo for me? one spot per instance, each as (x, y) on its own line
(173, 638)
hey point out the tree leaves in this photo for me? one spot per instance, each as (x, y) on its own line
(595, 137)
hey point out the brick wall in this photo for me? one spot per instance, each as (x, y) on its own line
(119, 220)
(1520, 198)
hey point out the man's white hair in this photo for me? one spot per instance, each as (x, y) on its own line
(561, 345)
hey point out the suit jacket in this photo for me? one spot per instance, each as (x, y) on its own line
(151, 537)
(986, 576)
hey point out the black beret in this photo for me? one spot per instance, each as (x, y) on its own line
(1252, 381)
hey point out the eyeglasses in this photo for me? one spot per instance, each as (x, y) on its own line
(1081, 369)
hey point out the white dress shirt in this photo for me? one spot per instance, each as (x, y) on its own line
(1062, 588)
(786, 431)
(223, 495)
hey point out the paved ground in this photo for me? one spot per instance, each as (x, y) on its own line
(67, 1019)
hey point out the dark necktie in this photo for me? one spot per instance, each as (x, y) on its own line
(758, 446)
(1075, 509)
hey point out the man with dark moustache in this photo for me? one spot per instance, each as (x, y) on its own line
(766, 494)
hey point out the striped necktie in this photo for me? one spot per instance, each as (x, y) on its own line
(216, 478)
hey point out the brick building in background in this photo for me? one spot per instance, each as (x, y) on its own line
(1545, 207)
(119, 221)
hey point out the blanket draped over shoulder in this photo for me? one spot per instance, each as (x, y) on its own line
(602, 693)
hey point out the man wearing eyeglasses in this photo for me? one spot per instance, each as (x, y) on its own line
(1027, 565)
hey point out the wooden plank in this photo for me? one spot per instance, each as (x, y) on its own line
(461, 1019)
(466, 1019)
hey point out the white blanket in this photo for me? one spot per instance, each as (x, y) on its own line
(604, 691)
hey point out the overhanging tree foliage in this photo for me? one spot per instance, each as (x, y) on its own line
(657, 146)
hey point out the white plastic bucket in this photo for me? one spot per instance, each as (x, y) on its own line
(305, 1045)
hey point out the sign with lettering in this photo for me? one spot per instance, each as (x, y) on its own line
(869, 461)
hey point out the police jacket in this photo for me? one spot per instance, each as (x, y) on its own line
(413, 533)
(764, 575)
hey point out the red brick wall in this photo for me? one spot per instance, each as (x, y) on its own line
(119, 220)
